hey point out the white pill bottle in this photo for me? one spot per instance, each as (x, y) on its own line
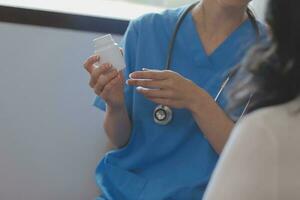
(109, 52)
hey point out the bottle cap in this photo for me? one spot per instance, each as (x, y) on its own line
(103, 41)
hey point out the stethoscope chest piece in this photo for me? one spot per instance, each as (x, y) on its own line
(162, 115)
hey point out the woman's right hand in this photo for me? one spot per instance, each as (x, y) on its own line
(107, 82)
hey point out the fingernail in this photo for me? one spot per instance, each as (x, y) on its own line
(130, 75)
(145, 69)
(139, 88)
(127, 82)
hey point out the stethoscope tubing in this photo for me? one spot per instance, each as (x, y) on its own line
(169, 62)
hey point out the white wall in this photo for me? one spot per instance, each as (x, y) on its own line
(50, 136)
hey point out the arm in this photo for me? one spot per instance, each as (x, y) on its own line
(117, 125)
(247, 167)
(108, 84)
(211, 119)
(178, 92)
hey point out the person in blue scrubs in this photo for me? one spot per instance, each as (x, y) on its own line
(175, 161)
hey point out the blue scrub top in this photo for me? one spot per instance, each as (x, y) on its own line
(173, 161)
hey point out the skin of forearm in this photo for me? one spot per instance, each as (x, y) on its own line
(212, 120)
(117, 126)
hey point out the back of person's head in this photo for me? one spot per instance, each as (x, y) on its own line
(270, 72)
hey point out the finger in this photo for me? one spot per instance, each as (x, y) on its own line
(146, 83)
(103, 80)
(121, 76)
(89, 63)
(149, 74)
(97, 72)
(108, 87)
(154, 93)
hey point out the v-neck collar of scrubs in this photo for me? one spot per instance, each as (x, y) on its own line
(226, 48)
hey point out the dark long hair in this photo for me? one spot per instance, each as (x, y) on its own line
(270, 73)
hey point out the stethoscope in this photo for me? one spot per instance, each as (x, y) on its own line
(163, 114)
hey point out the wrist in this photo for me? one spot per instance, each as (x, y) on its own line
(115, 108)
(199, 100)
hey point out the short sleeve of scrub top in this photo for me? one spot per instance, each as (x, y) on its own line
(172, 162)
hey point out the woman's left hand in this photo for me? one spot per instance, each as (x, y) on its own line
(167, 88)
